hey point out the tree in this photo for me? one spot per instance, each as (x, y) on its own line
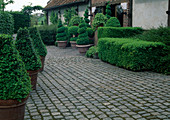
(108, 10)
(29, 9)
(4, 3)
(68, 14)
(54, 17)
(86, 15)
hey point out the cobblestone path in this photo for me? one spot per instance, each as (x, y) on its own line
(73, 87)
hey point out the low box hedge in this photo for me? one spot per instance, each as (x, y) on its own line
(134, 54)
(118, 32)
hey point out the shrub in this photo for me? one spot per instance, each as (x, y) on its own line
(83, 38)
(14, 80)
(74, 39)
(162, 34)
(61, 32)
(113, 22)
(108, 10)
(75, 20)
(73, 30)
(118, 32)
(6, 23)
(92, 52)
(99, 19)
(134, 54)
(86, 15)
(54, 17)
(20, 20)
(24, 45)
(90, 32)
(48, 34)
(37, 42)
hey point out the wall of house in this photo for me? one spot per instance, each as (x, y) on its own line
(149, 13)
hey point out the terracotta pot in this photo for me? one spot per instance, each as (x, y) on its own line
(83, 48)
(62, 44)
(33, 75)
(73, 44)
(12, 109)
(42, 63)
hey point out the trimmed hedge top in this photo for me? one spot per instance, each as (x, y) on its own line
(24, 45)
(61, 32)
(6, 23)
(37, 42)
(14, 80)
(113, 22)
(83, 38)
(118, 32)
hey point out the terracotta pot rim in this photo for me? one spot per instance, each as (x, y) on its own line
(12, 103)
(61, 41)
(72, 41)
(82, 46)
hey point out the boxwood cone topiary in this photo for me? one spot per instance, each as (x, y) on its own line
(24, 45)
(86, 15)
(14, 80)
(37, 42)
(61, 32)
(99, 19)
(83, 38)
(113, 22)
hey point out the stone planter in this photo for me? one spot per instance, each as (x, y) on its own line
(83, 48)
(62, 44)
(42, 63)
(33, 75)
(73, 44)
(12, 109)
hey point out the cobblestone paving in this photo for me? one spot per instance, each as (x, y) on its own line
(73, 87)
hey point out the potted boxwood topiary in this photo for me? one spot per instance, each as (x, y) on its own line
(75, 21)
(113, 22)
(83, 39)
(73, 31)
(61, 36)
(99, 20)
(38, 45)
(15, 84)
(91, 36)
(24, 45)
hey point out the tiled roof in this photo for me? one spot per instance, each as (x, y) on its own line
(56, 3)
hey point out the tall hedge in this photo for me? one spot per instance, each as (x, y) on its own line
(37, 42)
(118, 32)
(14, 80)
(6, 23)
(48, 34)
(20, 20)
(24, 45)
(83, 38)
(134, 54)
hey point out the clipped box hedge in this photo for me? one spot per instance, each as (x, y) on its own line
(118, 32)
(134, 54)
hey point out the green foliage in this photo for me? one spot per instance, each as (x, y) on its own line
(99, 19)
(83, 38)
(29, 9)
(61, 32)
(108, 11)
(48, 34)
(4, 3)
(73, 30)
(113, 22)
(68, 14)
(134, 54)
(20, 20)
(14, 80)
(92, 52)
(24, 45)
(90, 32)
(86, 15)
(54, 17)
(74, 39)
(118, 32)
(161, 34)
(6, 23)
(75, 20)
(37, 42)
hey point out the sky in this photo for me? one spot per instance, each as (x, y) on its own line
(18, 4)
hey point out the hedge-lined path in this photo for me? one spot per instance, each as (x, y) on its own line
(73, 87)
